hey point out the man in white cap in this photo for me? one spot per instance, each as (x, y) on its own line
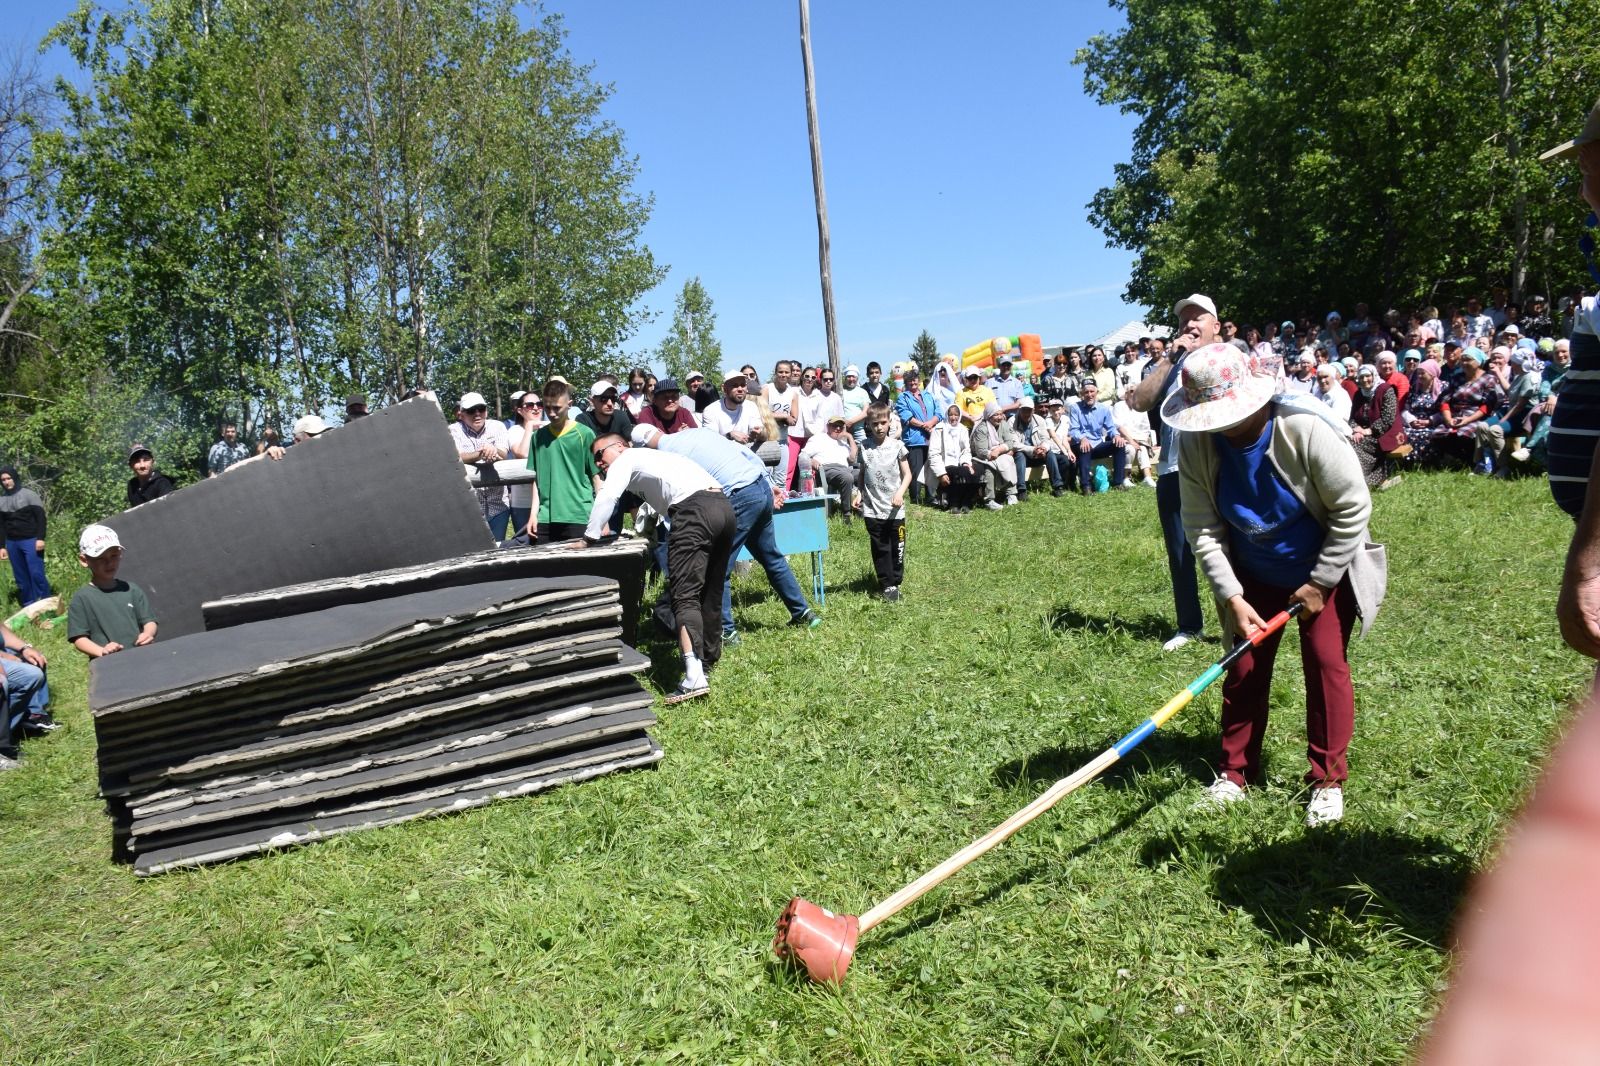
(1572, 440)
(698, 552)
(735, 416)
(1197, 327)
(855, 400)
(481, 441)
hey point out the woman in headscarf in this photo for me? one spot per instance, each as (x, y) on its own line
(1329, 388)
(943, 387)
(1375, 428)
(22, 514)
(1468, 403)
(1276, 508)
(1421, 416)
(950, 462)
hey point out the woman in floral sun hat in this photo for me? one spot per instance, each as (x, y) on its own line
(1276, 510)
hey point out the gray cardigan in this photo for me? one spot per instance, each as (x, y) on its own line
(1319, 467)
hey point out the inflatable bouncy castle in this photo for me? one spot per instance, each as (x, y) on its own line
(1023, 348)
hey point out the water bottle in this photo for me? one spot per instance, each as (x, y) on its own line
(808, 481)
(1102, 480)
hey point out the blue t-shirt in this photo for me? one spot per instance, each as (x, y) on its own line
(1275, 538)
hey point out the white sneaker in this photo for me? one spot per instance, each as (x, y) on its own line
(1220, 793)
(994, 506)
(1150, 481)
(1179, 640)
(1522, 455)
(1327, 805)
(8, 763)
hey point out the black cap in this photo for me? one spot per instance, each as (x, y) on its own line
(667, 385)
(137, 450)
(356, 398)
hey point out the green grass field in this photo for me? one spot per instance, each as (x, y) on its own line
(629, 919)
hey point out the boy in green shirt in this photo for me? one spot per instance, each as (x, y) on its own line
(108, 614)
(565, 477)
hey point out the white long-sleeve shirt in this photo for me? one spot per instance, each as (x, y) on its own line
(664, 480)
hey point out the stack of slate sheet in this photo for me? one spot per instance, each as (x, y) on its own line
(622, 560)
(289, 730)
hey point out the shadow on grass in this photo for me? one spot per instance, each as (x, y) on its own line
(1065, 618)
(1194, 754)
(1032, 871)
(1333, 885)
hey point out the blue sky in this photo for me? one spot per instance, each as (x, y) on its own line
(959, 151)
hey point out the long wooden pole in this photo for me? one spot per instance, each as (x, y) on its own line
(1056, 792)
(822, 196)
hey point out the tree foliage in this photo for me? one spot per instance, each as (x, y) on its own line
(691, 343)
(252, 208)
(1306, 154)
(925, 352)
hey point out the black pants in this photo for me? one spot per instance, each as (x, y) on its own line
(918, 458)
(697, 560)
(963, 488)
(550, 532)
(888, 549)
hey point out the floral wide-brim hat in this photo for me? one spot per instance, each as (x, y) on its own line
(1221, 386)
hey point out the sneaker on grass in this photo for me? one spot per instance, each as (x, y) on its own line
(1220, 793)
(8, 763)
(1327, 805)
(994, 505)
(892, 594)
(686, 690)
(1178, 640)
(810, 620)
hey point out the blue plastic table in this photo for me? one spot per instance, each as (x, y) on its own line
(800, 526)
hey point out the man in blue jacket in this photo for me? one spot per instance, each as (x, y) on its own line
(1095, 436)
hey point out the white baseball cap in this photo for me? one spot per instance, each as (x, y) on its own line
(97, 540)
(310, 426)
(471, 400)
(1195, 300)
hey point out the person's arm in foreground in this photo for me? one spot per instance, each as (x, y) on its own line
(1525, 987)
(1578, 605)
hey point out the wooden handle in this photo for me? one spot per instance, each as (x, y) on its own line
(986, 843)
(1054, 794)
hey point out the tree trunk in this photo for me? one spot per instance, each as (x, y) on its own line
(817, 186)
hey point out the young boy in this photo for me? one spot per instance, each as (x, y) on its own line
(831, 455)
(885, 477)
(562, 461)
(108, 614)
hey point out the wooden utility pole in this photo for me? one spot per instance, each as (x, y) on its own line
(822, 196)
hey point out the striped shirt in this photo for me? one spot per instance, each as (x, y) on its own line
(1575, 427)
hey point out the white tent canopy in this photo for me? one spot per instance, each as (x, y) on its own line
(1128, 331)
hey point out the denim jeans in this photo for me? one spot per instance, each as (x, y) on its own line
(752, 511)
(1180, 557)
(27, 566)
(26, 693)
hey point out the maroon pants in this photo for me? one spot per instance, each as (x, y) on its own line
(1330, 701)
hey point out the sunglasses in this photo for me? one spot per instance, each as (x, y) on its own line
(482, 408)
(599, 453)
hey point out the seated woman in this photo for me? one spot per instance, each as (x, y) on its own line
(950, 463)
(1421, 417)
(1468, 403)
(1375, 428)
(993, 443)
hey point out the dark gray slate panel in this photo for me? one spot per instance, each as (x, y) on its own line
(539, 716)
(350, 672)
(167, 668)
(565, 768)
(440, 768)
(384, 491)
(624, 561)
(493, 705)
(305, 705)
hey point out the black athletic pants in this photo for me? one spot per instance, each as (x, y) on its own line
(697, 561)
(917, 457)
(888, 549)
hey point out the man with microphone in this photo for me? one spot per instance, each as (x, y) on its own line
(1197, 327)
